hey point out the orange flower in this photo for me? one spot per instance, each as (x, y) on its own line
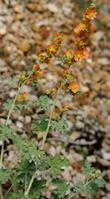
(22, 97)
(24, 94)
(81, 54)
(56, 34)
(28, 82)
(43, 58)
(52, 49)
(81, 28)
(90, 13)
(36, 67)
(38, 74)
(80, 43)
(68, 54)
(58, 38)
(74, 87)
(84, 29)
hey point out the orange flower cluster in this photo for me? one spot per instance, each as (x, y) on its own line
(68, 57)
(90, 13)
(22, 78)
(74, 87)
(81, 54)
(22, 97)
(52, 48)
(82, 32)
(37, 72)
(71, 83)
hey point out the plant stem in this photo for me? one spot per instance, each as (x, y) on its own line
(14, 101)
(1, 194)
(50, 118)
(12, 106)
(5, 196)
(72, 196)
(1, 158)
(46, 132)
(30, 184)
(7, 121)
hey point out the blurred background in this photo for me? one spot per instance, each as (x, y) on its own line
(26, 28)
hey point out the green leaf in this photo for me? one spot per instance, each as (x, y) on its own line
(90, 187)
(79, 187)
(100, 182)
(5, 175)
(43, 102)
(40, 126)
(59, 126)
(23, 105)
(37, 187)
(61, 187)
(7, 105)
(87, 169)
(26, 167)
(61, 59)
(13, 81)
(57, 163)
(23, 175)
(5, 132)
(28, 149)
(17, 195)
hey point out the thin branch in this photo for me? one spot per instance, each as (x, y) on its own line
(50, 118)
(30, 184)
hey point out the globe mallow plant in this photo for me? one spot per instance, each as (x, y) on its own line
(37, 171)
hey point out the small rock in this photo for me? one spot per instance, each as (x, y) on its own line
(105, 155)
(52, 151)
(103, 61)
(33, 7)
(2, 30)
(12, 93)
(97, 36)
(73, 156)
(103, 161)
(2, 63)
(67, 9)
(19, 124)
(27, 119)
(18, 8)
(21, 118)
(66, 174)
(108, 187)
(79, 125)
(24, 46)
(12, 159)
(74, 136)
(52, 7)
(91, 159)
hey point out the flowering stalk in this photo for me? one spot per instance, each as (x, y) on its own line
(82, 32)
(50, 118)
(9, 114)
